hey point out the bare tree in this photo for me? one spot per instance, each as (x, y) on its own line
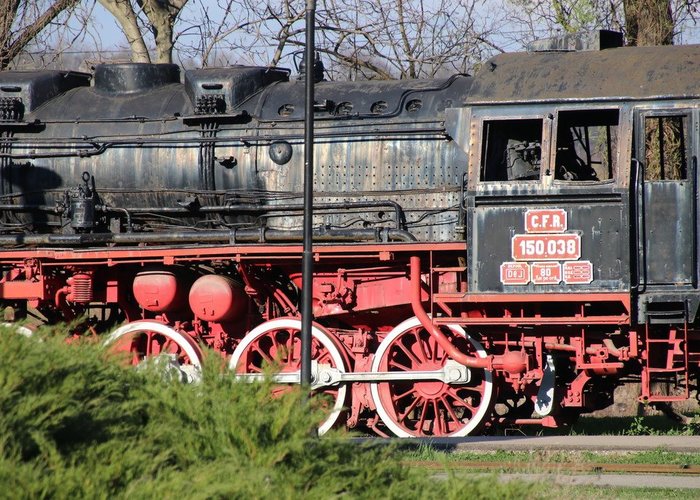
(359, 38)
(138, 18)
(21, 21)
(221, 32)
(401, 38)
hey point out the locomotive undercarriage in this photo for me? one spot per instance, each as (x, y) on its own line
(387, 315)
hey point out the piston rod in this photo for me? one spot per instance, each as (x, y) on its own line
(324, 375)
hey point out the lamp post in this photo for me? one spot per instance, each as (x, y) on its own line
(307, 256)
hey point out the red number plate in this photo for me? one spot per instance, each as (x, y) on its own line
(546, 273)
(546, 247)
(578, 273)
(545, 220)
(515, 273)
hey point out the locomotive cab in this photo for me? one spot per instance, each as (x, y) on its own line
(585, 183)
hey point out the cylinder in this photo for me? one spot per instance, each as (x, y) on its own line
(160, 291)
(218, 298)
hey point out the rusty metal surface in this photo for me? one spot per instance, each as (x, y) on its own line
(375, 141)
(621, 73)
(422, 174)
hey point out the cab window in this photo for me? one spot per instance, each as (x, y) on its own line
(665, 145)
(586, 147)
(511, 150)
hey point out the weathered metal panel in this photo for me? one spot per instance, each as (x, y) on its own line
(668, 232)
(423, 174)
(604, 245)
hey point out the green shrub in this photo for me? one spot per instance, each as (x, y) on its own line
(76, 424)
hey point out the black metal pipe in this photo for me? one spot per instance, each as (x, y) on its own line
(31, 208)
(307, 256)
(400, 216)
(98, 149)
(232, 236)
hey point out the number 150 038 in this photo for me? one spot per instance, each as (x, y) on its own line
(546, 247)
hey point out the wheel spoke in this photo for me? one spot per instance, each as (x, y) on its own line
(402, 367)
(294, 360)
(290, 345)
(409, 353)
(402, 417)
(421, 421)
(436, 348)
(402, 395)
(276, 346)
(149, 342)
(419, 342)
(438, 428)
(263, 354)
(449, 408)
(170, 347)
(452, 392)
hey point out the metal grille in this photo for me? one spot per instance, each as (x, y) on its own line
(212, 104)
(11, 109)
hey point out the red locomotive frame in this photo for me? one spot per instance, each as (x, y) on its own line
(361, 293)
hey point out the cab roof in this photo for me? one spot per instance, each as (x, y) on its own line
(611, 74)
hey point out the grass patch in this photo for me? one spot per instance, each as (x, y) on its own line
(597, 492)
(76, 424)
(653, 425)
(533, 458)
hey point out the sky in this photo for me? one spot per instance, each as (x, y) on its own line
(107, 37)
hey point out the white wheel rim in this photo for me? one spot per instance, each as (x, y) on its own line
(374, 387)
(183, 341)
(295, 325)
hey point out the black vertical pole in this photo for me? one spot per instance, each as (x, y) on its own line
(307, 258)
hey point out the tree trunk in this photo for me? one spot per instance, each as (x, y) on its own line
(162, 14)
(123, 12)
(649, 22)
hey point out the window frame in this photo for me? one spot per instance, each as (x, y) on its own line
(479, 145)
(640, 147)
(616, 171)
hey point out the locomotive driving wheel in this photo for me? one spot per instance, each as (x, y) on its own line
(150, 341)
(278, 343)
(429, 407)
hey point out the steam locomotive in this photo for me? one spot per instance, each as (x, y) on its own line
(502, 249)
